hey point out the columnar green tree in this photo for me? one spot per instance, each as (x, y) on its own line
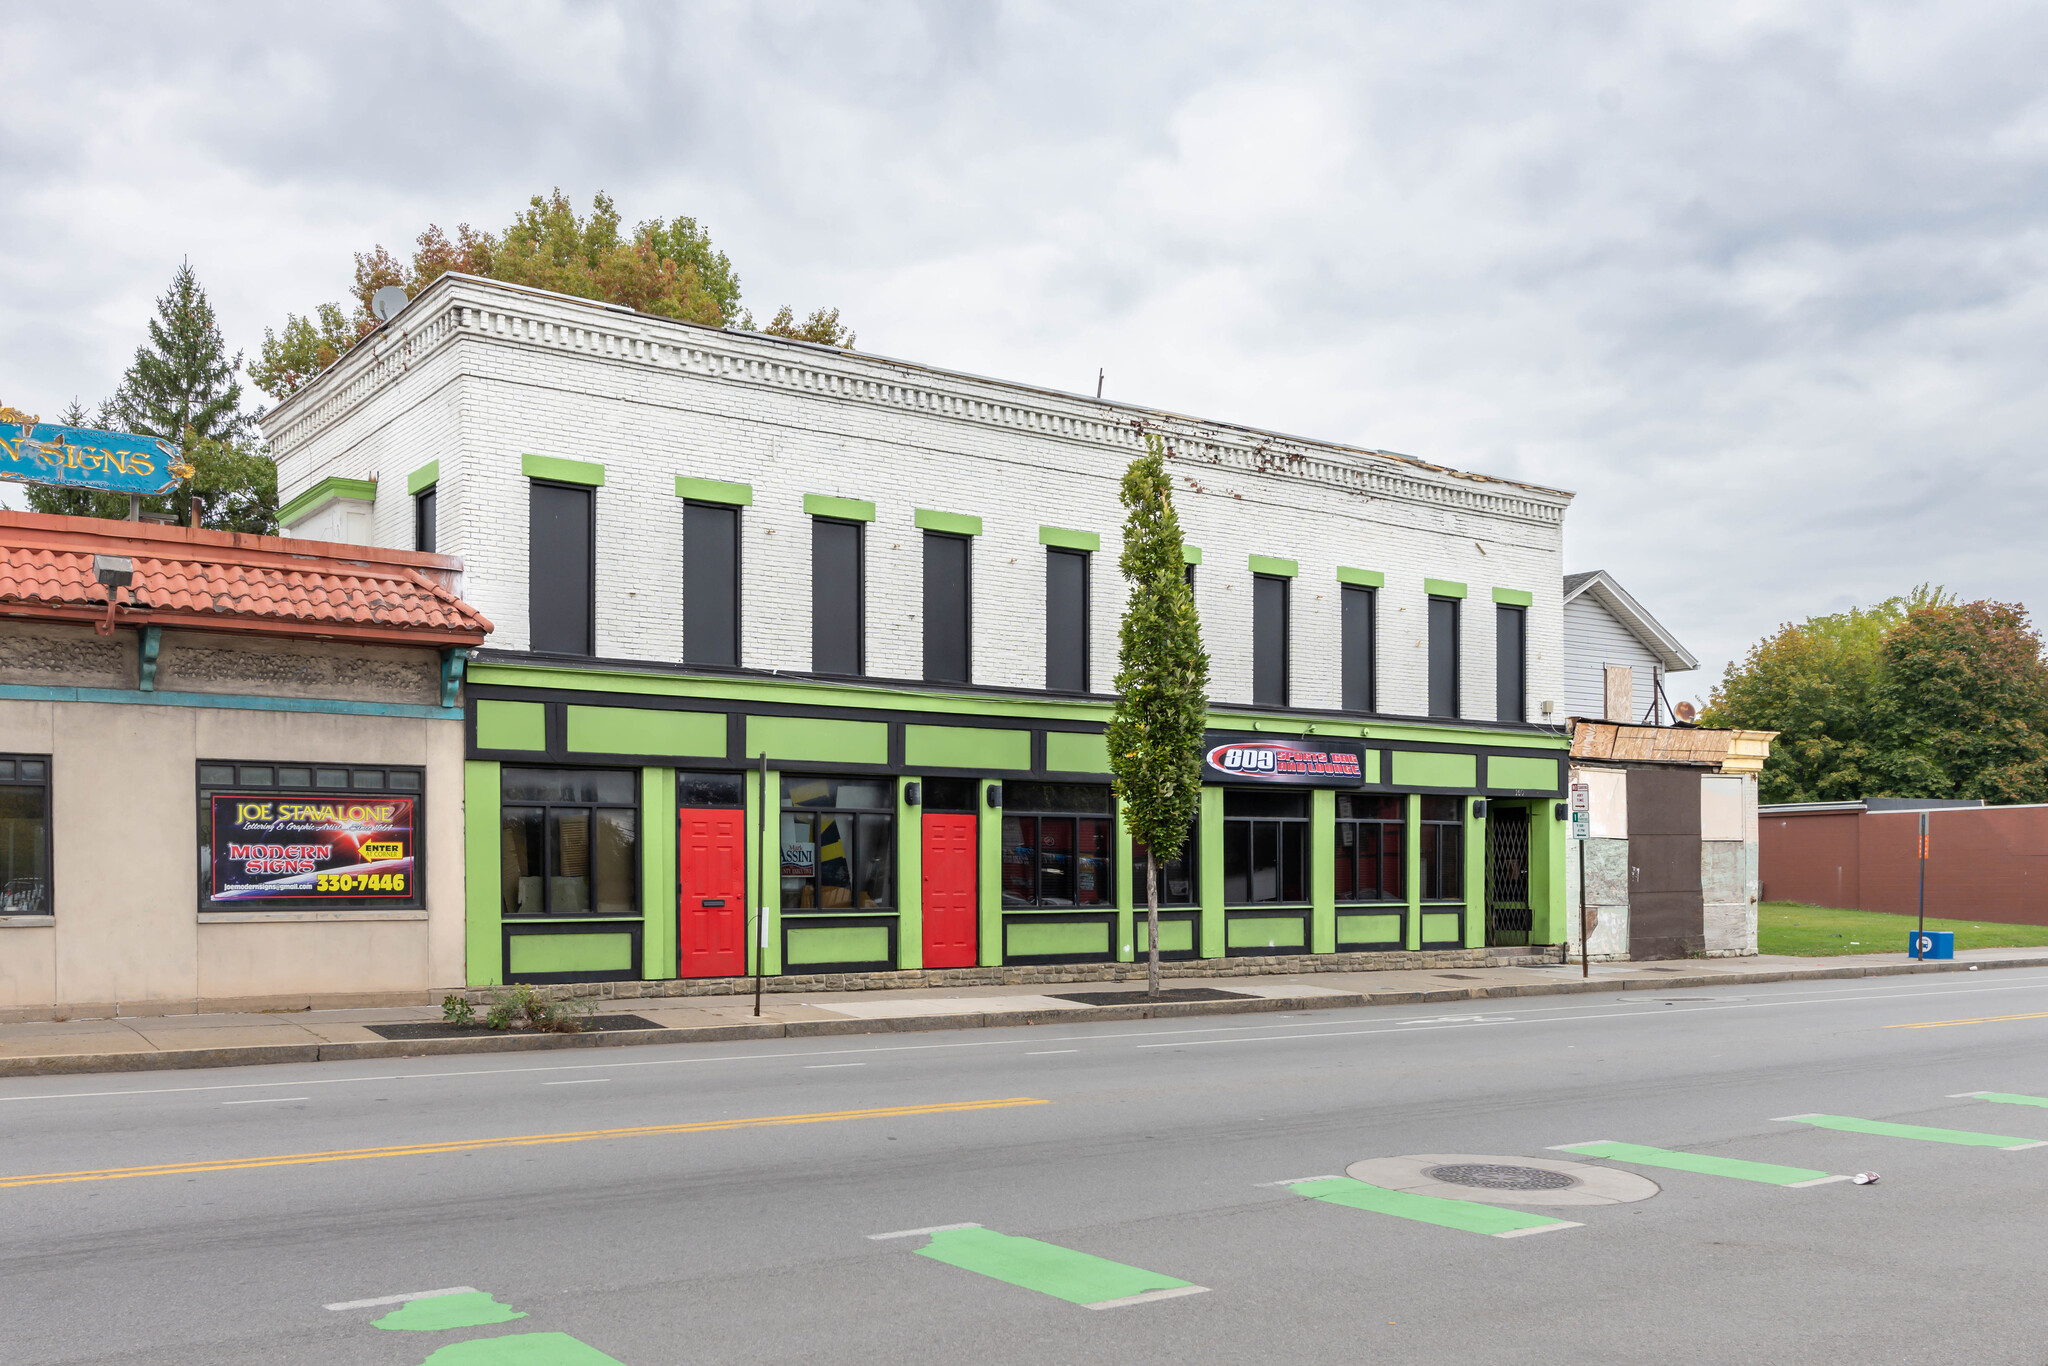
(1162, 683)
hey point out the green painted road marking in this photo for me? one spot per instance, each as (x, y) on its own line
(1060, 1272)
(1468, 1215)
(2004, 1098)
(1636, 1154)
(437, 1313)
(522, 1349)
(1961, 1137)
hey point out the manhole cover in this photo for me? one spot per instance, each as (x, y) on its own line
(1489, 1176)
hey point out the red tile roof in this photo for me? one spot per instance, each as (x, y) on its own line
(225, 581)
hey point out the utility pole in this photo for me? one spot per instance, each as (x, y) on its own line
(761, 902)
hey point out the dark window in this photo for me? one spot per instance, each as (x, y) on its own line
(425, 519)
(838, 629)
(711, 584)
(1190, 575)
(1443, 657)
(1370, 847)
(838, 843)
(1178, 882)
(1510, 646)
(951, 794)
(948, 614)
(1269, 640)
(698, 790)
(1265, 847)
(1066, 620)
(1056, 845)
(1443, 849)
(561, 569)
(24, 834)
(293, 837)
(567, 841)
(1359, 640)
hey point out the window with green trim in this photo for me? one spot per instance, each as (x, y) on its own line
(838, 843)
(1443, 849)
(1370, 847)
(838, 592)
(568, 841)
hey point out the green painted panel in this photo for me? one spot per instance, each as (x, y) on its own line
(837, 944)
(1539, 774)
(1368, 929)
(1372, 765)
(480, 853)
(1735, 1168)
(1441, 927)
(658, 869)
(511, 725)
(1368, 578)
(1963, 1138)
(1082, 936)
(439, 1313)
(572, 952)
(957, 523)
(1047, 1268)
(1443, 588)
(1415, 768)
(714, 491)
(1322, 871)
(562, 471)
(1468, 1216)
(1190, 554)
(1270, 564)
(1175, 936)
(812, 740)
(425, 475)
(1262, 932)
(1071, 752)
(325, 492)
(1069, 540)
(637, 730)
(966, 747)
(845, 509)
(1514, 597)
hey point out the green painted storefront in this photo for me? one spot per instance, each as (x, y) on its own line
(645, 727)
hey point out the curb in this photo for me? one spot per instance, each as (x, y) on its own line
(366, 1049)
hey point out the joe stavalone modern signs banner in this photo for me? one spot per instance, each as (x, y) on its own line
(33, 452)
(1291, 763)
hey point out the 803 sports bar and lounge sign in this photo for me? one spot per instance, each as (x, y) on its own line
(1301, 763)
(310, 848)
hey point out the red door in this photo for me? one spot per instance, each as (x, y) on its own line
(711, 868)
(950, 913)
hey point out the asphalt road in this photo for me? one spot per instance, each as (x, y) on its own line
(1154, 1145)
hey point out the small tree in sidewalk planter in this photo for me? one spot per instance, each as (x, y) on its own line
(1162, 683)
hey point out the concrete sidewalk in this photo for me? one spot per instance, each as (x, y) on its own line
(178, 1041)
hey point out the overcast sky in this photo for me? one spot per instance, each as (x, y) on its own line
(1762, 283)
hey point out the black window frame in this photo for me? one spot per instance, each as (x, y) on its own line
(696, 656)
(426, 519)
(850, 832)
(1057, 558)
(1241, 835)
(1433, 833)
(1263, 681)
(355, 780)
(1190, 860)
(13, 900)
(1397, 857)
(966, 606)
(1446, 650)
(824, 583)
(1018, 806)
(589, 496)
(1358, 646)
(1511, 668)
(547, 876)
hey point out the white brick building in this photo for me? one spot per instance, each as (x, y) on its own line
(478, 392)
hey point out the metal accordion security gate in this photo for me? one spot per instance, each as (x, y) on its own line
(1509, 916)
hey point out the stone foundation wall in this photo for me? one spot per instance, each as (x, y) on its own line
(1051, 974)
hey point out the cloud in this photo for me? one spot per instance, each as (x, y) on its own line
(1761, 281)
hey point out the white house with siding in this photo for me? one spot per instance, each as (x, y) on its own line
(1605, 628)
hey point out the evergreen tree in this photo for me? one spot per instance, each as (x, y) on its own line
(1162, 682)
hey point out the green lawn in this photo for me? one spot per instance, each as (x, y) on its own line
(1819, 932)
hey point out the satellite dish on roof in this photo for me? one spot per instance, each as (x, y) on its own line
(1685, 713)
(386, 302)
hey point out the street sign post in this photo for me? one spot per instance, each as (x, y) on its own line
(1582, 830)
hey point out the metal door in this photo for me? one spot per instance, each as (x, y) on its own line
(1509, 917)
(711, 871)
(950, 904)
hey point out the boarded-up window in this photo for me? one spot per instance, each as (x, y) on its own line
(1721, 807)
(1608, 793)
(1621, 693)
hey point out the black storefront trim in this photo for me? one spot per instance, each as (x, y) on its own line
(580, 924)
(1397, 909)
(1457, 908)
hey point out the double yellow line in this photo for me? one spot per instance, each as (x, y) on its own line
(467, 1145)
(1981, 1019)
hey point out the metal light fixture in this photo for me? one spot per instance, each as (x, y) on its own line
(113, 571)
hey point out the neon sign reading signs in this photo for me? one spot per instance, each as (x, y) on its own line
(33, 452)
(1311, 763)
